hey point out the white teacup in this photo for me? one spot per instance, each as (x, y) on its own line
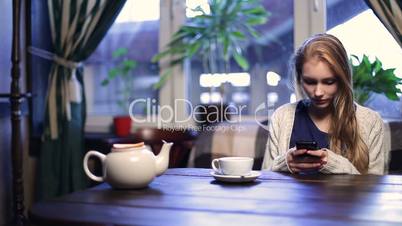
(234, 166)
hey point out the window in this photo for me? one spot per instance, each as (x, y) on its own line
(137, 29)
(5, 45)
(267, 78)
(361, 32)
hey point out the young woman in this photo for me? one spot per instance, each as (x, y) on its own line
(349, 136)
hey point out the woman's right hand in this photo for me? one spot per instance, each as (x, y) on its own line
(297, 166)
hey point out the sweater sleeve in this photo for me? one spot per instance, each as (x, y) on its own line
(376, 147)
(338, 164)
(273, 159)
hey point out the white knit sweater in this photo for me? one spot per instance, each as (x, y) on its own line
(371, 129)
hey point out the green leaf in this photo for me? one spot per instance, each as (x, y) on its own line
(366, 63)
(362, 72)
(162, 79)
(362, 97)
(121, 104)
(177, 61)
(252, 31)
(256, 21)
(119, 52)
(238, 34)
(241, 61)
(356, 58)
(376, 66)
(113, 73)
(193, 49)
(129, 64)
(105, 82)
(391, 95)
(256, 11)
(178, 39)
(192, 28)
(195, 39)
(389, 74)
(233, 9)
(159, 56)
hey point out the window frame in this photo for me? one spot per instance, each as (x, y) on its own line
(309, 18)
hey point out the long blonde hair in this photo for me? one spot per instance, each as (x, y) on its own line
(344, 137)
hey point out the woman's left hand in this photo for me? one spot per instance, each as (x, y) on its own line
(321, 153)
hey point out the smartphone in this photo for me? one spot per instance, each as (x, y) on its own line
(309, 145)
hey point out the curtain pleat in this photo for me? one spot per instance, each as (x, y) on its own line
(390, 14)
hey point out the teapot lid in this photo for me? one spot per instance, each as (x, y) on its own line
(126, 147)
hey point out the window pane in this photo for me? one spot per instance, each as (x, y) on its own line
(362, 32)
(270, 53)
(5, 45)
(137, 29)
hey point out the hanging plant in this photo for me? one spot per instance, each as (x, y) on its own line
(216, 36)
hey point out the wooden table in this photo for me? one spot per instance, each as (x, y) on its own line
(191, 196)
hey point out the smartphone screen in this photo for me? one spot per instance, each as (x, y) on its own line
(309, 145)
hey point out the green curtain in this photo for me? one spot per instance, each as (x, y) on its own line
(390, 14)
(77, 28)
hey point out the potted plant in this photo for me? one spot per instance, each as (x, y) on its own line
(123, 70)
(370, 77)
(215, 37)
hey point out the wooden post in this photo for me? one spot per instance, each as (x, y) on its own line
(15, 100)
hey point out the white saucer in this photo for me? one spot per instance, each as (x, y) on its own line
(236, 179)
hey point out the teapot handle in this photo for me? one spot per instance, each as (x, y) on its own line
(86, 169)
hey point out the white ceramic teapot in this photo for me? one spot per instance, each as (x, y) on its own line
(130, 165)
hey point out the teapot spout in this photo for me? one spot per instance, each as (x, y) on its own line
(162, 159)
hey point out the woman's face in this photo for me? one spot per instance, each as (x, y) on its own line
(319, 83)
